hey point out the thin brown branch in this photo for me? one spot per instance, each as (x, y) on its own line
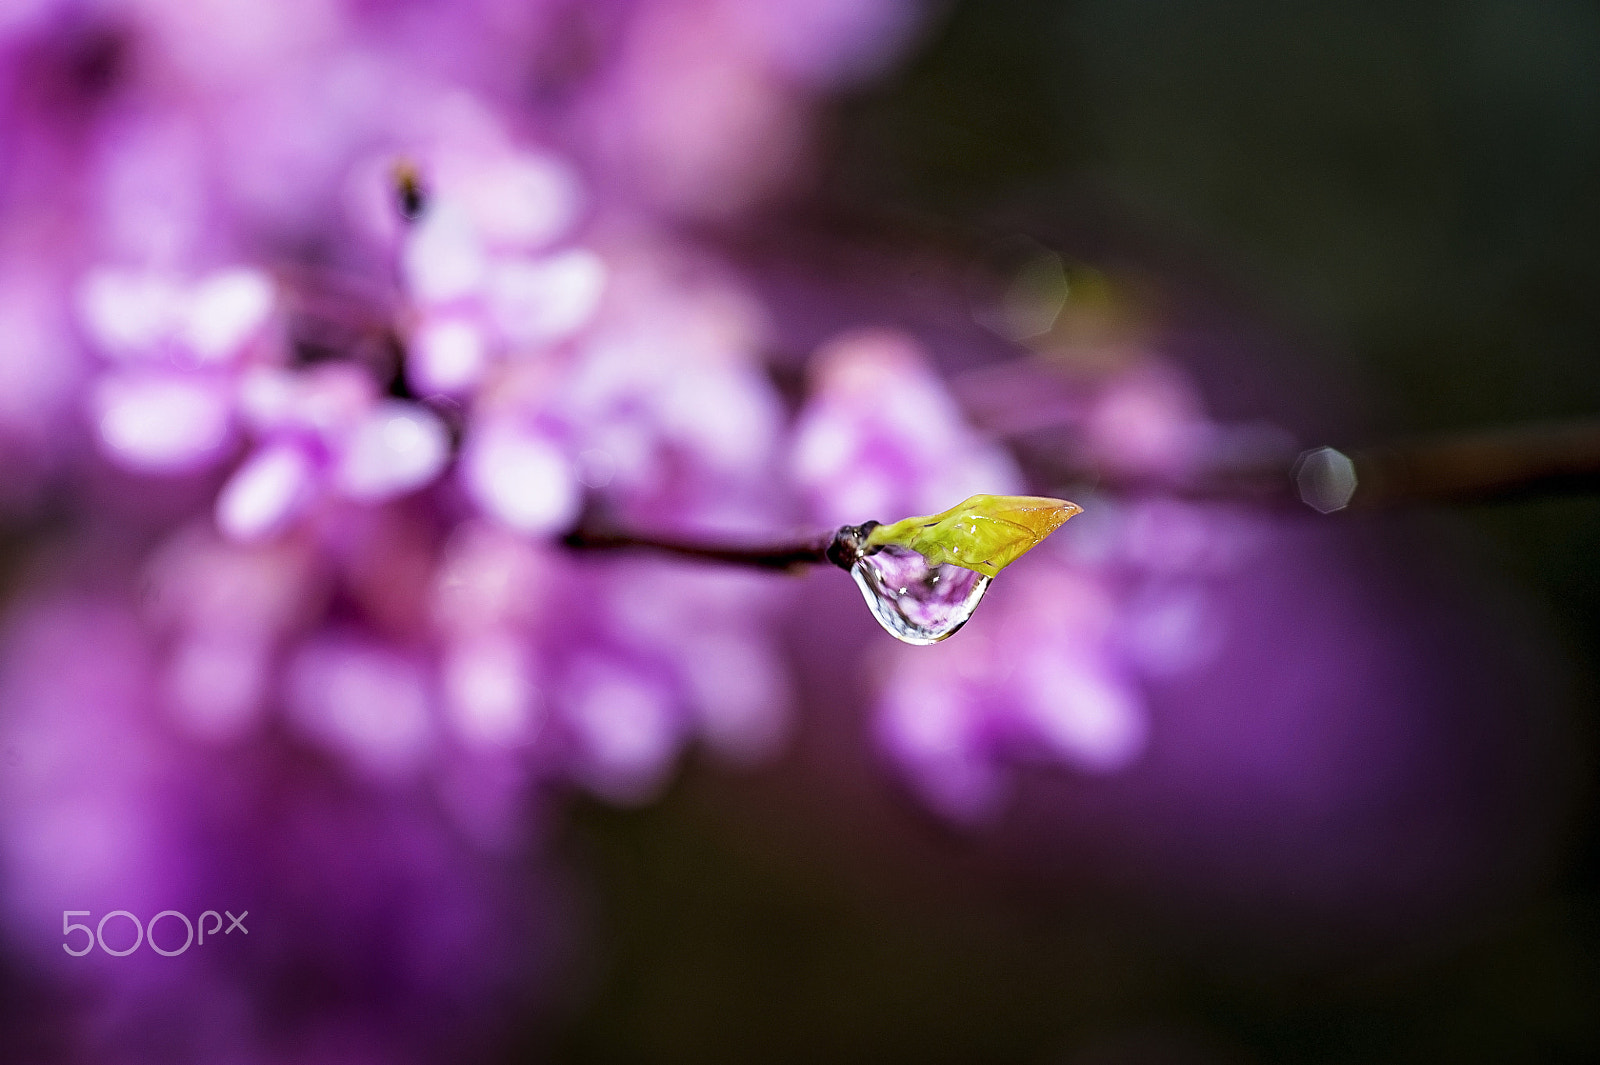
(784, 556)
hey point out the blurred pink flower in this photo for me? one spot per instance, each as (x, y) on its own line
(880, 438)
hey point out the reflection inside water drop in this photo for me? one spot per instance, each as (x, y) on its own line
(915, 601)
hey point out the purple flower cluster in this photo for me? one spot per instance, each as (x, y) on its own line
(324, 321)
(330, 271)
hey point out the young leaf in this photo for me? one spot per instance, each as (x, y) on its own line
(985, 533)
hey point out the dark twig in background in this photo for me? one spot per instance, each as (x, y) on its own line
(1508, 463)
(785, 556)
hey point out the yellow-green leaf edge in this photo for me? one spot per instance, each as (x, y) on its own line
(985, 533)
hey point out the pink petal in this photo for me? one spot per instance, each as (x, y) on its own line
(128, 313)
(444, 259)
(627, 731)
(737, 689)
(930, 727)
(489, 692)
(522, 479)
(1088, 716)
(526, 200)
(266, 492)
(547, 299)
(396, 448)
(216, 685)
(447, 355)
(326, 400)
(223, 312)
(362, 700)
(162, 422)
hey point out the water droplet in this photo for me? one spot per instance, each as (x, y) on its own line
(913, 599)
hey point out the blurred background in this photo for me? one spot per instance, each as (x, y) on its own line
(1392, 207)
(1212, 778)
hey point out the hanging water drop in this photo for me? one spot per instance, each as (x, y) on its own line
(915, 600)
(923, 577)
